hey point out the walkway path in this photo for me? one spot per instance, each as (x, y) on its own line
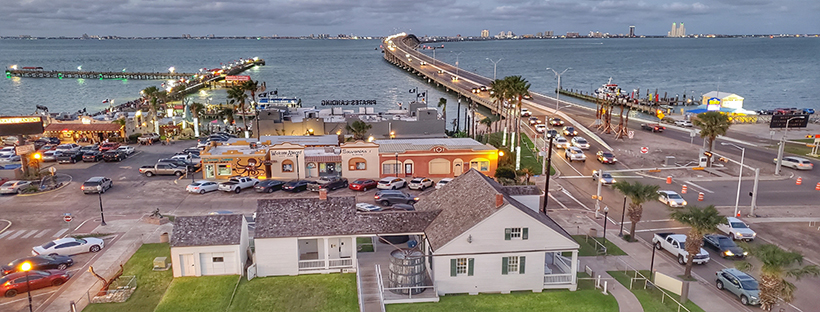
(626, 299)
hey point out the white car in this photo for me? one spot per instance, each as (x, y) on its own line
(420, 183)
(525, 112)
(796, 163)
(69, 246)
(573, 153)
(540, 128)
(8, 151)
(580, 142)
(683, 123)
(365, 207)
(606, 178)
(391, 183)
(441, 183)
(14, 187)
(202, 187)
(671, 199)
(737, 229)
(561, 142)
(68, 147)
(126, 149)
(9, 158)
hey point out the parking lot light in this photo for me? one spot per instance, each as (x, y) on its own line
(25, 267)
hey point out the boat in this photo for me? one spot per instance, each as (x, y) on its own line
(268, 103)
(608, 90)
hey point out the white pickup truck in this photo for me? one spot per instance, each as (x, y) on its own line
(676, 245)
(236, 184)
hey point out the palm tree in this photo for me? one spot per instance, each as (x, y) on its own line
(638, 194)
(499, 95)
(154, 95)
(442, 103)
(518, 88)
(488, 122)
(251, 86)
(358, 129)
(227, 113)
(236, 95)
(196, 108)
(777, 265)
(712, 124)
(701, 221)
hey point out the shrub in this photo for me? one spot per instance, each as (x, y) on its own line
(134, 137)
(505, 172)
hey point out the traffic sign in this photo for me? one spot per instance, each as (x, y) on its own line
(631, 134)
(67, 218)
(644, 150)
(52, 170)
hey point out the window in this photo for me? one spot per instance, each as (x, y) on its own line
(516, 233)
(287, 166)
(218, 259)
(480, 165)
(209, 171)
(357, 164)
(439, 166)
(513, 265)
(462, 266)
(223, 169)
(389, 167)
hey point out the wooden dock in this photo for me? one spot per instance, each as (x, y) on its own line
(40, 73)
(639, 104)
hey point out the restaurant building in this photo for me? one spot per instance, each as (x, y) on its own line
(435, 158)
(85, 131)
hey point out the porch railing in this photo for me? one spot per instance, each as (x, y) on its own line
(340, 263)
(563, 263)
(552, 279)
(306, 265)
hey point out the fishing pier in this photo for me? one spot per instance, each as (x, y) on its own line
(209, 75)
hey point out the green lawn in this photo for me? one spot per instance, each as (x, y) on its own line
(203, 293)
(651, 298)
(549, 300)
(365, 244)
(588, 247)
(529, 158)
(312, 292)
(150, 284)
(796, 149)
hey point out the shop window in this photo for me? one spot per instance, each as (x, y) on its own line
(209, 171)
(480, 165)
(287, 166)
(357, 164)
(439, 166)
(389, 167)
(224, 170)
(408, 169)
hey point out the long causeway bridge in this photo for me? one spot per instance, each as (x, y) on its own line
(39, 72)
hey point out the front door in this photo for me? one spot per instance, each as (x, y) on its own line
(457, 170)
(344, 248)
(188, 265)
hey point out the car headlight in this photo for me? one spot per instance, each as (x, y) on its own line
(745, 253)
(728, 253)
(684, 203)
(753, 297)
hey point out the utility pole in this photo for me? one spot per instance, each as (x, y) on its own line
(547, 172)
(782, 145)
(495, 63)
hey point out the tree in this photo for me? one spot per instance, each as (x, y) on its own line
(236, 95)
(518, 88)
(527, 172)
(712, 124)
(196, 108)
(488, 122)
(442, 103)
(701, 222)
(251, 86)
(358, 129)
(777, 265)
(505, 172)
(638, 194)
(226, 113)
(498, 92)
(154, 96)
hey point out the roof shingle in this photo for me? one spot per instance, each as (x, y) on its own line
(210, 230)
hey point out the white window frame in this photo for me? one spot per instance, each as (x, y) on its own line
(512, 265)
(516, 233)
(462, 265)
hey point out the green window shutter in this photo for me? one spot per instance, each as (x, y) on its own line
(521, 264)
(507, 233)
(525, 233)
(504, 265)
(453, 270)
(470, 263)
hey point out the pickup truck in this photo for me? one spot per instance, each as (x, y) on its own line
(676, 245)
(236, 184)
(328, 183)
(653, 127)
(162, 169)
(148, 138)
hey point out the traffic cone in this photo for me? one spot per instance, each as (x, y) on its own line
(817, 187)
(669, 180)
(683, 189)
(799, 181)
(700, 196)
(738, 214)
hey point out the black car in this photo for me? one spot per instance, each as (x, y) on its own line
(92, 156)
(390, 197)
(41, 262)
(724, 245)
(48, 140)
(180, 163)
(296, 186)
(69, 157)
(114, 155)
(328, 183)
(268, 186)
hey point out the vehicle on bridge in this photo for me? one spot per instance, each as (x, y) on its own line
(561, 142)
(606, 157)
(540, 128)
(580, 142)
(525, 112)
(556, 122)
(569, 131)
(573, 153)
(534, 120)
(675, 244)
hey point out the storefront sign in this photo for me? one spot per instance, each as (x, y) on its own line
(217, 160)
(237, 78)
(25, 149)
(21, 125)
(358, 152)
(713, 104)
(285, 153)
(348, 102)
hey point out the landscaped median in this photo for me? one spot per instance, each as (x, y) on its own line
(650, 297)
(590, 248)
(151, 285)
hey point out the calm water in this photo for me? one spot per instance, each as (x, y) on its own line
(767, 72)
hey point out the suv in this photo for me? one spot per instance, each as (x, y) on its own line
(391, 183)
(573, 153)
(740, 284)
(796, 163)
(671, 198)
(96, 185)
(390, 197)
(70, 157)
(737, 229)
(420, 183)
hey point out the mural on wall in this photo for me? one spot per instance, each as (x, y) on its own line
(251, 169)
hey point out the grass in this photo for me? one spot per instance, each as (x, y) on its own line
(800, 150)
(590, 300)
(588, 248)
(203, 293)
(365, 244)
(529, 158)
(650, 298)
(312, 292)
(150, 284)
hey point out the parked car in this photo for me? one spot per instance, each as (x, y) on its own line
(114, 156)
(365, 207)
(68, 147)
(8, 151)
(69, 246)
(89, 148)
(561, 142)
(328, 183)
(96, 185)
(671, 199)
(41, 262)
(50, 156)
(556, 122)
(20, 282)
(363, 184)
(191, 167)
(50, 140)
(606, 178)
(70, 157)
(400, 207)
(796, 163)
(569, 131)
(724, 245)
(573, 153)
(737, 229)
(391, 183)
(606, 157)
(148, 138)
(109, 146)
(128, 150)
(675, 244)
(202, 187)
(296, 186)
(14, 186)
(683, 123)
(420, 183)
(653, 127)
(9, 158)
(162, 169)
(580, 142)
(92, 156)
(441, 183)
(237, 184)
(390, 197)
(740, 284)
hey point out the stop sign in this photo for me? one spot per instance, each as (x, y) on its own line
(644, 150)
(67, 218)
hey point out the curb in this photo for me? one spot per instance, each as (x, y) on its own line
(49, 191)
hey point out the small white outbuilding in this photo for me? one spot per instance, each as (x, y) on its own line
(209, 245)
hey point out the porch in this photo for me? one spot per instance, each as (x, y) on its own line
(326, 254)
(559, 270)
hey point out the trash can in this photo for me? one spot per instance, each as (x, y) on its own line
(163, 238)
(593, 232)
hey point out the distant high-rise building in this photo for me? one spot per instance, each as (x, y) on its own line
(677, 31)
(485, 33)
(681, 30)
(548, 33)
(631, 31)
(510, 34)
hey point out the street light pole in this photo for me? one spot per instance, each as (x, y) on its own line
(739, 174)
(457, 55)
(102, 215)
(558, 90)
(606, 214)
(26, 266)
(782, 145)
(397, 164)
(495, 63)
(623, 213)
(547, 172)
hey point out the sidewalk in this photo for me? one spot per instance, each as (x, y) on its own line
(626, 299)
(129, 235)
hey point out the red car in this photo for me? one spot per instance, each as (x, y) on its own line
(363, 184)
(108, 146)
(15, 283)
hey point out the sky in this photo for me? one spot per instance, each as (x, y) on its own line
(385, 17)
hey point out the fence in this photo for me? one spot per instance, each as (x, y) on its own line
(106, 272)
(381, 286)
(600, 248)
(638, 276)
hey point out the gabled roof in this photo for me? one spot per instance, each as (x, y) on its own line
(467, 200)
(210, 230)
(300, 217)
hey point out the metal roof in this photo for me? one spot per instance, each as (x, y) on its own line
(404, 145)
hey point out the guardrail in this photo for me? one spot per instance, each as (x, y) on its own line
(359, 287)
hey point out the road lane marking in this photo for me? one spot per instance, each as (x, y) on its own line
(559, 202)
(43, 232)
(18, 233)
(29, 234)
(573, 198)
(5, 233)
(662, 229)
(700, 187)
(60, 232)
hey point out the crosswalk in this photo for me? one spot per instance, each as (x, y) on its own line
(24, 234)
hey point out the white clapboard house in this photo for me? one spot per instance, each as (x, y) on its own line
(209, 245)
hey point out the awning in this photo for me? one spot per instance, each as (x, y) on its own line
(324, 159)
(94, 127)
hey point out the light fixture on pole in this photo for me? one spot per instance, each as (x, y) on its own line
(397, 164)
(495, 64)
(26, 266)
(457, 55)
(558, 90)
(782, 144)
(739, 173)
(547, 183)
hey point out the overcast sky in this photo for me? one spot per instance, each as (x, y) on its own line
(384, 17)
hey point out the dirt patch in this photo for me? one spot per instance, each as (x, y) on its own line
(800, 237)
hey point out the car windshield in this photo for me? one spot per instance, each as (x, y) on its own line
(607, 155)
(726, 242)
(606, 176)
(443, 182)
(48, 245)
(581, 141)
(385, 181)
(415, 181)
(197, 184)
(748, 284)
(322, 180)
(674, 196)
(739, 225)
